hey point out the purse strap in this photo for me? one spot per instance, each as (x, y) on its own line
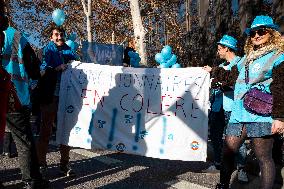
(271, 60)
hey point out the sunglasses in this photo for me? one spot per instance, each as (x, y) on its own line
(260, 32)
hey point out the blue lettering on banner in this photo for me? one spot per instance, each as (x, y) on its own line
(89, 140)
(120, 147)
(164, 135)
(92, 122)
(101, 123)
(137, 131)
(171, 137)
(143, 134)
(77, 130)
(128, 118)
(82, 79)
(70, 109)
(112, 128)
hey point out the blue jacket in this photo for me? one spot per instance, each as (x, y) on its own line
(53, 56)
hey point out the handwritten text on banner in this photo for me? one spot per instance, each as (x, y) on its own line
(160, 113)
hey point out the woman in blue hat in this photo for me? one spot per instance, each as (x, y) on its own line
(262, 67)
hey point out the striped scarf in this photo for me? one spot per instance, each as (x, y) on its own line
(254, 55)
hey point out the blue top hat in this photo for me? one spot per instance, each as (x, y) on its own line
(229, 41)
(262, 22)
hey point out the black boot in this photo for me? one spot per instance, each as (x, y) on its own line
(221, 186)
(37, 184)
(66, 169)
(9, 147)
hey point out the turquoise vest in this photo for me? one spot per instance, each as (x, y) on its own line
(13, 63)
(260, 76)
(228, 97)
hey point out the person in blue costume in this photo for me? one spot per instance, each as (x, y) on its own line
(56, 55)
(262, 67)
(221, 106)
(17, 63)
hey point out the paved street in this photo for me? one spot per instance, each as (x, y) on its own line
(107, 170)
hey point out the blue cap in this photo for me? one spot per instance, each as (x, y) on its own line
(229, 41)
(262, 22)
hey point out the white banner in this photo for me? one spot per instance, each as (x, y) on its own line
(160, 113)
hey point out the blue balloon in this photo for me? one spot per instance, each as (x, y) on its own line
(58, 17)
(69, 42)
(167, 64)
(166, 52)
(73, 45)
(172, 60)
(159, 58)
(72, 36)
(177, 65)
(164, 65)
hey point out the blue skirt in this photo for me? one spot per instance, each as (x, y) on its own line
(253, 129)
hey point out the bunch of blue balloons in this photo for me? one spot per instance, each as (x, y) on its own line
(134, 59)
(166, 59)
(58, 17)
(71, 42)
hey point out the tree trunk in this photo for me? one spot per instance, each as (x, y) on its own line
(112, 37)
(278, 6)
(187, 15)
(203, 8)
(88, 13)
(139, 32)
(223, 19)
(248, 9)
